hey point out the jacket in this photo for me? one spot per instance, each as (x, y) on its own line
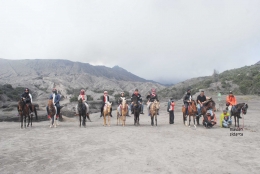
(139, 97)
(187, 97)
(231, 100)
(222, 116)
(55, 98)
(28, 97)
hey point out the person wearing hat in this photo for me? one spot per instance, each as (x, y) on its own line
(201, 99)
(139, 99)
(170, 109)
(231, 102)
(83, 96)
(150, 98)
(186, 100)
(225, 119)
(105, 99)
(27, 98)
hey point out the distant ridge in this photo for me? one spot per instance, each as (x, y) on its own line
(55, 67)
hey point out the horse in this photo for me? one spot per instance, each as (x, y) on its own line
(52, 113)
(82, 112)
(210, 104)
(237, 111)
(124, 112)
(136, 108)
(23, 110)
(154, 107)
(106, 112)
(192, 111)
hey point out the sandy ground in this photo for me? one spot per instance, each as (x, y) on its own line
(143, 149)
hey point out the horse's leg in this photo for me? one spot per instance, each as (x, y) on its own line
(35, 112)
(55, 121)
(197, 119)
(238, 121)
(31, 120)
(156, 119)
(189, 120)
(194, 120)
(79, 120)
(84, 120)
(152, 119)
(104, 115)
(51, 122)
(21, 117)
(117, 117)
(24, 125)
(109, 119)
(235, 120)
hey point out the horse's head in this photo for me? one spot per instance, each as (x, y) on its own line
(212, 105)
(50, 102)
(157, 104)
(109, 105)
(80, 101)
(244, 108)
(20, 106)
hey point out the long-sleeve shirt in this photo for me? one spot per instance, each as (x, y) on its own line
(231, 100)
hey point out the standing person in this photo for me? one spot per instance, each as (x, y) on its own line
(83, 96)
(231, 102)
(150, 99)
(27, 98)
(105, 99)
(171, 111)
(139, 99)
(201, 99)
(56, 101)
(186, 100)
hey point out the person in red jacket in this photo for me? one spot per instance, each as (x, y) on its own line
(171, 111)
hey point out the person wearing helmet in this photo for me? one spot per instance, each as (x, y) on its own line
(151, 98)
(55, 97)
(105, 98)
(139, 99)
(27, 98)
(186, 100)
(122, 97)
(83, 96)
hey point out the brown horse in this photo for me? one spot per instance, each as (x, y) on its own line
(210, 104)
(106, 112)
(192, 112)
(52, 113)
(154, 107)
(124, 112)
(23, 110)
(237, 111)
(137, 109)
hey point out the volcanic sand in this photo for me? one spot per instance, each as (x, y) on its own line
(132, 149)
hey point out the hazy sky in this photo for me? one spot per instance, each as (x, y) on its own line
(162, 40)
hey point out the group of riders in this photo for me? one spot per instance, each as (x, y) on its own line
(202, 100)
(151, 97)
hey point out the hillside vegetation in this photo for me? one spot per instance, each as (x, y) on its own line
(245, 80)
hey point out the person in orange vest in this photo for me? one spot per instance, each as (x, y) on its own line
(231, 101)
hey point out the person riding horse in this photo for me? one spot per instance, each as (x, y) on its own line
(201, 99)
(231, 102)
(83, 96)
(105, 99)
(119, 108)
(139, 99)
(186, 100)
(56, 101)
(150, 99)
(27, 98)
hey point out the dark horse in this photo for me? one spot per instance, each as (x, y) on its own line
(24, 111)
(137, 109)
(237, 111)
(210, 104)
(82, 112)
